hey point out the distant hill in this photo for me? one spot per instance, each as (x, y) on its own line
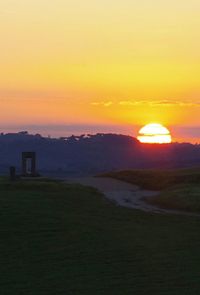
(92, 154)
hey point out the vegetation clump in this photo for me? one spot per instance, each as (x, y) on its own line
(157, 179)
(179, 188)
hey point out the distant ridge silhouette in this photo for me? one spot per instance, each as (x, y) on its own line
(92, 154)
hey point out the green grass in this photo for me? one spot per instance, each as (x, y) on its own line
(66, 239)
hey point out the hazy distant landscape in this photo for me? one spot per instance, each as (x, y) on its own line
(69, 237)
(93, 154)
(63, 237)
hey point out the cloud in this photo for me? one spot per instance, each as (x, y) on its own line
(102, 103)
(165, 103)
(151, 103)
(128, 103)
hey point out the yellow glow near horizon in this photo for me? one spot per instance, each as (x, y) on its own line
(154, 133)
(100, 62)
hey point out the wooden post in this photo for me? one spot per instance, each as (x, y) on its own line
(12, 173)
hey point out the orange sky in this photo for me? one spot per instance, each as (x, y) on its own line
(94, 62)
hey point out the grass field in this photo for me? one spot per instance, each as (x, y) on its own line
(65, 239)
(180, 189)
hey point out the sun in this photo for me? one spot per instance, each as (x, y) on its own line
(154, 133)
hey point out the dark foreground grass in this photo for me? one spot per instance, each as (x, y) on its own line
(65, 239)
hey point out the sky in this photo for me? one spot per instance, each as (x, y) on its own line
(114, 64)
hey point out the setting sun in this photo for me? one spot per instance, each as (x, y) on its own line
(154, 133)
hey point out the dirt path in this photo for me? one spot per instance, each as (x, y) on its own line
(125, 194)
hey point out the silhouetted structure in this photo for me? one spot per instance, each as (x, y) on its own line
(29, 164)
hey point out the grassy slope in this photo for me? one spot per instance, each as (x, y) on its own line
(61, 239)
(180, 189)
(181, 197)
(158, 179)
